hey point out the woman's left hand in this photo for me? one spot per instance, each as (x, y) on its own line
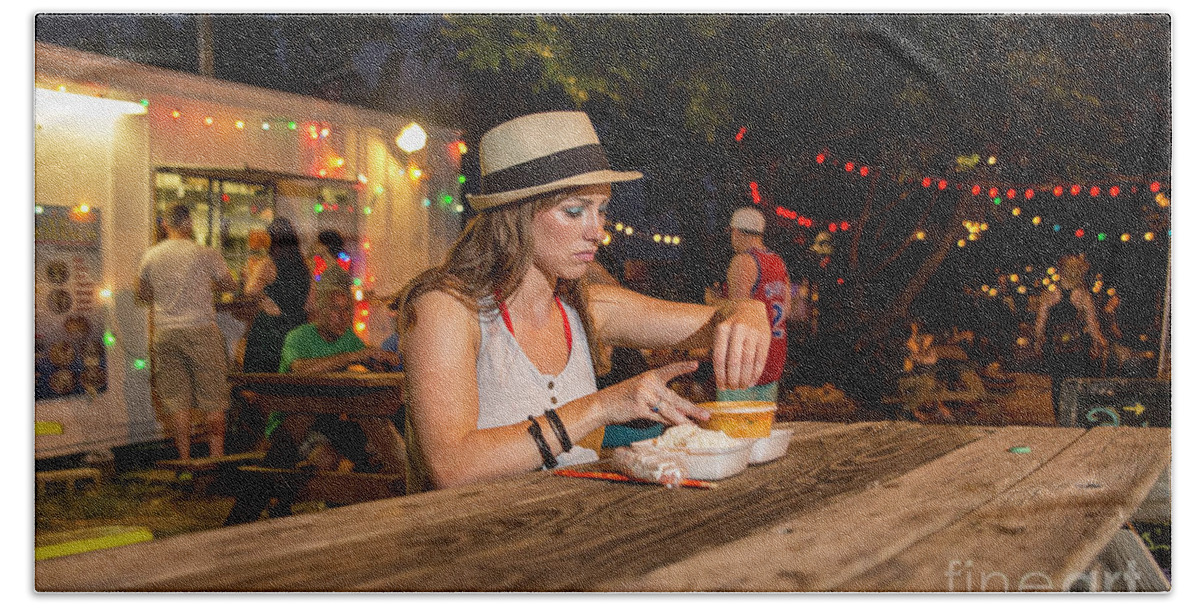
(740, 344)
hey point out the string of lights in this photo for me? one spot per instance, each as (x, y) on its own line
(996, 194)
(622, 229)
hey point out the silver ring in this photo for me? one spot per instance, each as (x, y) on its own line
(655, 408)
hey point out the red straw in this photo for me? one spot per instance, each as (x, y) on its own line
(687, 483)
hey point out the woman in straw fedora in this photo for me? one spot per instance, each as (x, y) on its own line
(500, 340)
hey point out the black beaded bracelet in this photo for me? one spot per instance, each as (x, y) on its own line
(560, 430)
(535, 431)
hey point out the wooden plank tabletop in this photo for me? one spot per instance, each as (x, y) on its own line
(347, 379)
(867, 506)
(366, 394)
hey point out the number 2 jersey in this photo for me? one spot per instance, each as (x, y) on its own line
(771, 289)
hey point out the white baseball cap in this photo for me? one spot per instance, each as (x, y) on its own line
(748, 219)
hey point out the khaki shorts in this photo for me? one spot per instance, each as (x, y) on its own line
(189, 369)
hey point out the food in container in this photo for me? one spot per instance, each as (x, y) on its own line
(706, 455)
(692, 436)
(656, 466)
(740, 419)
(769, 448)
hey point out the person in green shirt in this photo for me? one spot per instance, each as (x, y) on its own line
(327, 344)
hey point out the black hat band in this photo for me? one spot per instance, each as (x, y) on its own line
(546, 169)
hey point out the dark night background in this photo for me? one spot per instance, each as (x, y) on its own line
(706, 104)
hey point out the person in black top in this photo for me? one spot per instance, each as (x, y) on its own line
(281, 284)
(1068, 336)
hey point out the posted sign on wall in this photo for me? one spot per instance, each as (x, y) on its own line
(69, 322)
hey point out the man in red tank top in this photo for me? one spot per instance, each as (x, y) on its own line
(758, 273)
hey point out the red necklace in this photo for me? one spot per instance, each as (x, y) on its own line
(508, 320)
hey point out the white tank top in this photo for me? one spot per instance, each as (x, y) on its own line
(511, 388)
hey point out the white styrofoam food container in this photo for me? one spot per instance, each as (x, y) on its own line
(769, 448)
(705, 464)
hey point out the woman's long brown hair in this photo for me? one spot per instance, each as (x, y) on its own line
(492, 255)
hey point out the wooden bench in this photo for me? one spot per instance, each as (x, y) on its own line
(68, 478)
(201, 473)
(337, 487)
(210, 463)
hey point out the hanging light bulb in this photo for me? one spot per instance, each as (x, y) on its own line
(411, 139)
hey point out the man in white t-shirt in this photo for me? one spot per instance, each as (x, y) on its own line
(179, 278)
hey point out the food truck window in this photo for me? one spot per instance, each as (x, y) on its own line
(225, 212)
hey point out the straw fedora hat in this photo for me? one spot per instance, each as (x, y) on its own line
(540, 153)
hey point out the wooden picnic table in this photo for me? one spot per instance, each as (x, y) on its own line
(367, 399)
(879, 506)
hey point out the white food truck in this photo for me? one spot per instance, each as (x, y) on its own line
(117, 143)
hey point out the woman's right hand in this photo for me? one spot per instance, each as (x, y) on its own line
(648, 396)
